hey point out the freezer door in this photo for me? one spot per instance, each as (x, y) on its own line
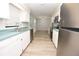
(68, 43)
(70, 15)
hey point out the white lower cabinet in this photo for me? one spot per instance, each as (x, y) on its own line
(55, 37)
(15, 45)
(11, 47)
(25, 39)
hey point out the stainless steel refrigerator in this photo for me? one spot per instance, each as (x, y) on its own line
(68, 41)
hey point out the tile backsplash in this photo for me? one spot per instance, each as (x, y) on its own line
(3, 23)
(24, 24)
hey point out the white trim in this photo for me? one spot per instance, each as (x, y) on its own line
(17, 5)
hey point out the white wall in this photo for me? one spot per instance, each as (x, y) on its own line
(43, 23)
(56, 13)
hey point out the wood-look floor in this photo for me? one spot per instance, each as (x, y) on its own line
(40, 46)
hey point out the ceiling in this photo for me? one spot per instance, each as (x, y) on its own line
(43, 9)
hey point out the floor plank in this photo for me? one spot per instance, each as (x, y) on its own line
(40, 46)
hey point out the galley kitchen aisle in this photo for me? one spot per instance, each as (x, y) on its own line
(42, 18)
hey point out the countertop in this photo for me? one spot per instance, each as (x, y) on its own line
(7, 33)
(55, 29)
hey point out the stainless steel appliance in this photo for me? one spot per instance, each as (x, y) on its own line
(68, 42)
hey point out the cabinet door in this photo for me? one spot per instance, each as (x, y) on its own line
(55, 38)
(22, 16)
(25, 39)
(25, 16)
(28, 36)
(13, 48)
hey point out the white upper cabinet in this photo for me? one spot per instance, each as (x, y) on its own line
(4, 8)
(24, 11)
(25, 16)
